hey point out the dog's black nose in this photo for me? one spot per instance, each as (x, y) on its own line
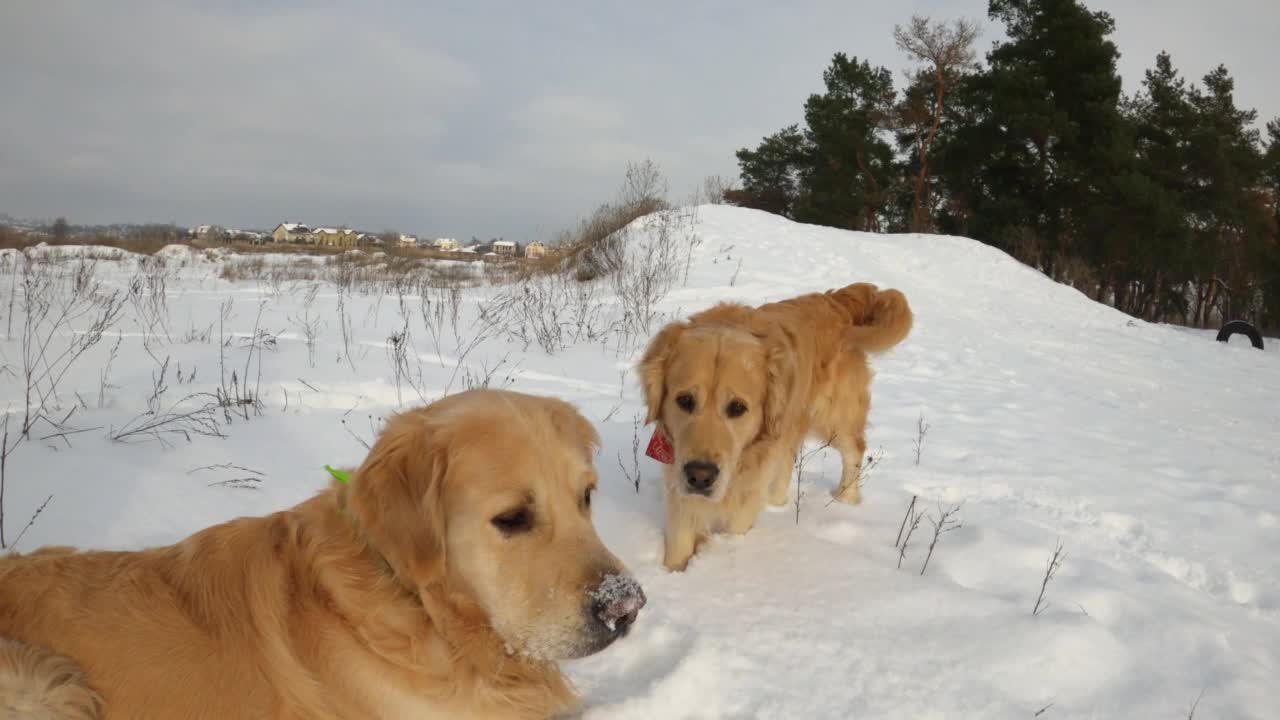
(617, 602)
(701, 476)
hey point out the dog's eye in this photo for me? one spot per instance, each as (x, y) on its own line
(586, 497)
(685, 402)
(514, 521)
(736, 408)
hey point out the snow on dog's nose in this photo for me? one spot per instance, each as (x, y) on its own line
(616, 603)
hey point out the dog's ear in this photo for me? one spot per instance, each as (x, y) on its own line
(397, 497)
(653, 368)
(780, 379)
(566, 420)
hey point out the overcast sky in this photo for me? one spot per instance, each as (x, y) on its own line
(463, 119)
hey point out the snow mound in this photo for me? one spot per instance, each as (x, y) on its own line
(178, 253)
(776, 258)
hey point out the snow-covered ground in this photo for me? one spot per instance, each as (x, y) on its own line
(1152, 453)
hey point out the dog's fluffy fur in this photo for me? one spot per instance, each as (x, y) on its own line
(740, 388)
(417, 590)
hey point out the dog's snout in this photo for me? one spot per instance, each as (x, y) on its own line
(616, 603)
(701, 476)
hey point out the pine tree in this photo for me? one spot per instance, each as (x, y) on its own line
(851, 179)
(1269, 262)
(1050, 131)
(1227, 217)
(962, 160)
(771, 174)
(1148, 264)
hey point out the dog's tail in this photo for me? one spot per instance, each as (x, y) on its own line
(881, 318)
(39, 685)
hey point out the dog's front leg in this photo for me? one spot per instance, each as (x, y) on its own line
(850, 490)
(779, 466)
(684, 525)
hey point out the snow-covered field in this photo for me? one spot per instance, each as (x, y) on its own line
(1152, 453)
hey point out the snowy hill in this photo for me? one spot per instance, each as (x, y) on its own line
(1150, 451)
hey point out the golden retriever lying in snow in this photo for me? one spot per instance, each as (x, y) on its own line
(444, 581)
(737, 390)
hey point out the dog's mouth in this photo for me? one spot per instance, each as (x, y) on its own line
(709, 494)
(713, 492)
(702, 478)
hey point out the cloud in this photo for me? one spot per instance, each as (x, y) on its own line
(570, 114)
(295, 102)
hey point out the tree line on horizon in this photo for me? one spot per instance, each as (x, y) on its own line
(1164, 203)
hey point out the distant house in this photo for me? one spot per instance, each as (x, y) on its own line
(291, 233)
(446, 245)
(535, 250)
(210, 232)
(368, 239)
(335, 237)
(504, 248)
(252, 237)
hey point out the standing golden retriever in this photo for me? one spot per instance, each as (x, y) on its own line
(444, 581)
(738, 389)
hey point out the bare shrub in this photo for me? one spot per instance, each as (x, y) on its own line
(1195, 705)
(63, 318)
(65, 313)
(309, 325)
(148, 293)
(242, 477)
(104, 375)
(632, 471)
(593, 249)
(485, 327)
(344, 322)
(233, 393)
(191, 415)
(910, 512)
(912, 521)
(235, 269)
(399, 346)
(922, 432)
(1051, 569)
(32, 521)
(803, 459)
(440, 298)
(500, 374)
(714, 188)
(944, 523)
(553, 312)
(652, 253)
(194, 414)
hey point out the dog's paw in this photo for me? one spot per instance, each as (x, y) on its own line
(675, 567)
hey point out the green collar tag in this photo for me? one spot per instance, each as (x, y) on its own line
(341, 476)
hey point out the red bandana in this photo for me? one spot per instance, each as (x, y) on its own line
(660, 448)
